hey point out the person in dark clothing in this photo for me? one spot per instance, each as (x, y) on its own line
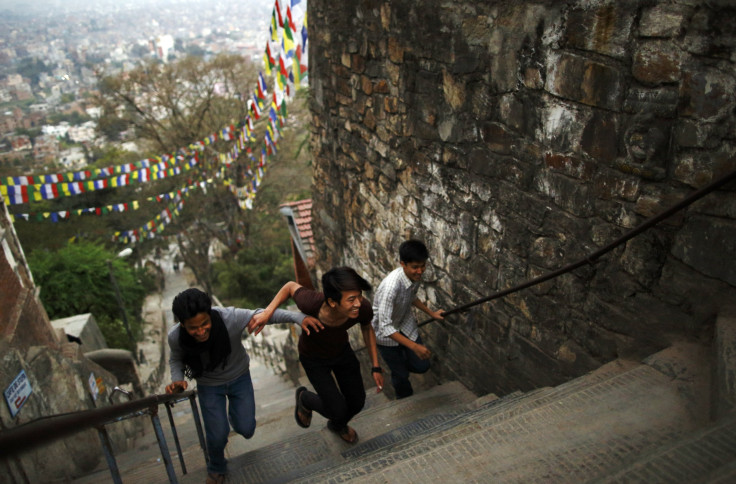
(324, 348)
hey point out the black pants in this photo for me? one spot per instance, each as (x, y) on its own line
(340, 398)
(402, 361)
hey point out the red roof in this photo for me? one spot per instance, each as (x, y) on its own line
(302, 210)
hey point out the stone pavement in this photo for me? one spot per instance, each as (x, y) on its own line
(274, 399)
(157, 320)
(628, 421)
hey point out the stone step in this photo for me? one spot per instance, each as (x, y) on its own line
(518, 402)
(383, 424)
(401, 420)
(723, 475)
(547, 435)
(586, 427)
(379, 422)
(702, 455)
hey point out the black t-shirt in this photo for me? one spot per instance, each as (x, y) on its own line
(330, 341)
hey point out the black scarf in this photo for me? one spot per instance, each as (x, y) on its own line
(217, 348)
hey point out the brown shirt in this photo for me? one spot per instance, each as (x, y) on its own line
(330, 341)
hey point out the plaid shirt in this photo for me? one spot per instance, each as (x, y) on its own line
(392, 308)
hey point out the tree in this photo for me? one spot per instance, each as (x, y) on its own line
(257, 274)
(74, 118)
(31, 68)
(171, 105)
(76, 280)
(265, 262)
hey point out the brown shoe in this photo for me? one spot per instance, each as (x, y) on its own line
(215, 479)
(302, 415)
(347, 433)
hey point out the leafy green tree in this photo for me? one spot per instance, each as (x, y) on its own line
(265, 262)
(195, 50)
(74, 118)
(255, 276)
(30, 132)
(76, 280)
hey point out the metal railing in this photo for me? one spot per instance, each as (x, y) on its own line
(48, 429)
(593, 258)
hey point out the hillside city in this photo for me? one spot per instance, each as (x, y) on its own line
(51, 58)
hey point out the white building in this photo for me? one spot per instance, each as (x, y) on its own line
(60, 130)
(163, 44)
(94, 112)
(83, 133)
(73, 158)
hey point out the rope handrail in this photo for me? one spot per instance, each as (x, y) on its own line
(47, 429)
(592, 258)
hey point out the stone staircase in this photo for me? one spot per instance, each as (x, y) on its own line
(625, 422)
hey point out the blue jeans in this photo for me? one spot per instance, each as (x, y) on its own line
(241, 413)
(401, 361)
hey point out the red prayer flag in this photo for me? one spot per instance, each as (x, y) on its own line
(278, 12)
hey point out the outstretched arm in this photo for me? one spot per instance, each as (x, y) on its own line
(258, 321)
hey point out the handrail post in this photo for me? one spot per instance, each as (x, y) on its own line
(198, 424)
(176, 437)
(165, 456)
(109, 455)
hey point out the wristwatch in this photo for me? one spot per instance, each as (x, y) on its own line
(376, 369)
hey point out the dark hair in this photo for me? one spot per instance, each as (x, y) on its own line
(186, 305)
(340, 279)
(413, 250)
(189, 303)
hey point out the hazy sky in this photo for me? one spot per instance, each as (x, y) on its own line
(36, 7)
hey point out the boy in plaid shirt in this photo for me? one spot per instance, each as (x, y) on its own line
(394, 323)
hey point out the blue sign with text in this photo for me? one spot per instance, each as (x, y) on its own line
(18, 392)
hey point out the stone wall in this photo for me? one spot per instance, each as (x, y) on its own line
(58, 374)
(515, 138)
